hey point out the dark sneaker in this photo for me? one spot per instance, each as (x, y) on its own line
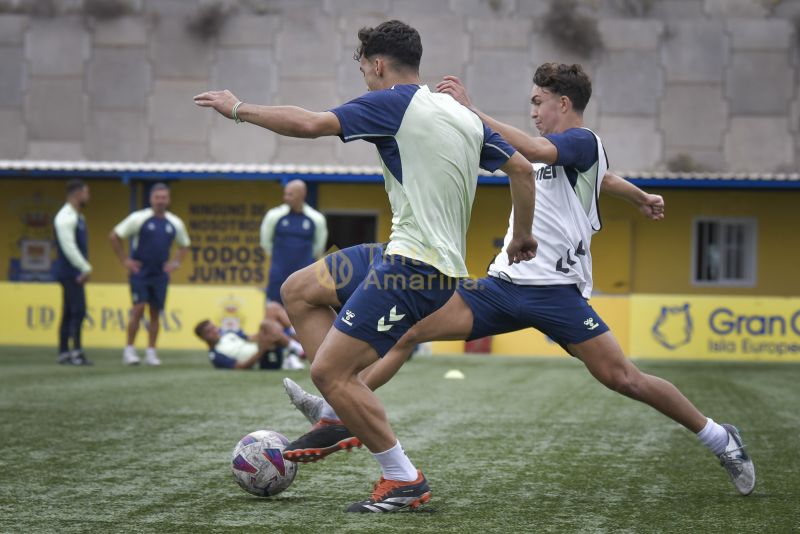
(78, 358)
(326, 437)
(394, 495)
(737, 463)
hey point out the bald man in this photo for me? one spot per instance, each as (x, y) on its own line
(293, 235)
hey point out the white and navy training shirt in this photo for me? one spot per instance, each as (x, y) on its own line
(72, 242)
(152, 239)
(567, 215)
(430, 148)
(293, 240)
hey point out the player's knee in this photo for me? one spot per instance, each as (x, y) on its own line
(320, 376)
(293, 290)
(626, 381)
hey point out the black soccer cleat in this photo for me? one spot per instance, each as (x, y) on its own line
(394, 495)
(326, 437)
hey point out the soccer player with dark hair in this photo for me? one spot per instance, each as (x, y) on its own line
(72, 271)
(551, 292)
(153, 230)
(430, 148)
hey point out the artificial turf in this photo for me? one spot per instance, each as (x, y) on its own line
(519, 445)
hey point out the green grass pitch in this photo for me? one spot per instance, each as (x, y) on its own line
(519, 445)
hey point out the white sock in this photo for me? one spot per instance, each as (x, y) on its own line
(714, 436)
(151, 351)
(129, 347)
(396, 465)
(327, 411)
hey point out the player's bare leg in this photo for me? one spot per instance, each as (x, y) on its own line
(271, 335)
(335, 372)
(153, 327)
(604, 358)
(451, 321)
(275, 312)
(309, 295)
(129, 356)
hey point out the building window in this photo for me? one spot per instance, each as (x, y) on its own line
(348, 228)
(724, 251)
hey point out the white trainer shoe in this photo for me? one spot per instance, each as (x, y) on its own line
(292, 362)
(151, 358)
(737, 463)
(129, 356)
(309, 405)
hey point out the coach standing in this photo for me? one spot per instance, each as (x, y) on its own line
(294, 235)
(153, 230)
(72, 271)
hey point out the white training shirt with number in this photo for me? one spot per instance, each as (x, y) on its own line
(430, 147)
(566, 216)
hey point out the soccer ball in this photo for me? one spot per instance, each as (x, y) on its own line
(258, 465)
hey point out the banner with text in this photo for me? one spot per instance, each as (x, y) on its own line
(715, 327)
(31, 313)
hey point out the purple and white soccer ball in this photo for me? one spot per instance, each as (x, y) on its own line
(258, 465)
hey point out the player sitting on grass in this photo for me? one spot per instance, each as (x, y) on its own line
(550, 292)
(270, 348)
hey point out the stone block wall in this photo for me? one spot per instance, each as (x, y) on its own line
(678, 84)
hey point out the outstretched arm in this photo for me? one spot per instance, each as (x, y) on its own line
(651, 206)
(535, 149)
(290, 121)
(523, 245)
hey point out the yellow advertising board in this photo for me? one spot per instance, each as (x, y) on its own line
(31, 313)
(715, 327)
(647, 326)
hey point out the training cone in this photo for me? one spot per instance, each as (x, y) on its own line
(454, 374)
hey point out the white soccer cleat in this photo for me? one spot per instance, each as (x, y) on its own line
(129, 356)
(291, 362)
(309, 405)
(151, 358)
(737, 463)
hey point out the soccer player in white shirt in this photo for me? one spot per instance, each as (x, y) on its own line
(430, 148)
(550, 293)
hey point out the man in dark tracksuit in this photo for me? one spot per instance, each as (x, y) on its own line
(72, 271)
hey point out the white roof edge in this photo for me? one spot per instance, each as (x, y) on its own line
(257, 168)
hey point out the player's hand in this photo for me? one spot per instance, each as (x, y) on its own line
(171, 266)
(521, 249)
(453, 87)
(134, 266)
(221, 101)
(82, 278)
(652, 207)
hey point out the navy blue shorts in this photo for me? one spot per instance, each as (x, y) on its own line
(395, 294)
(559, 312)
(348, 267)
(150, 290)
